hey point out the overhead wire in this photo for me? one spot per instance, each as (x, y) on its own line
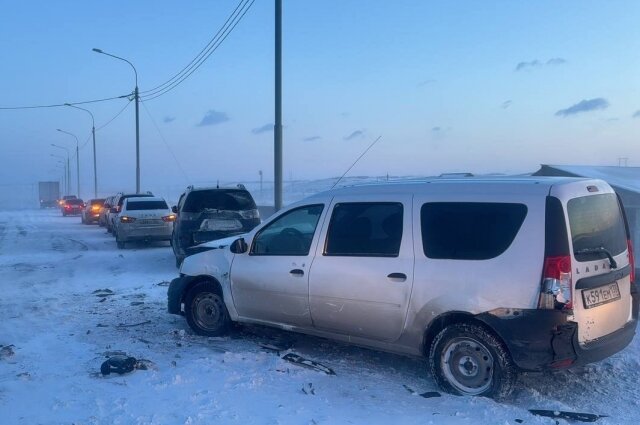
(56, 105)
(175, 158)
(178, 74)
(199, 63)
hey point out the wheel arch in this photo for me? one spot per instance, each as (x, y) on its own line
(452, 318)
(198, 279)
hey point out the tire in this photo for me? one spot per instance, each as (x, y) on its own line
(466, 359)
(119, 242)
(205, 310)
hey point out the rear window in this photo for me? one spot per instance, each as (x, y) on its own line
(216, 199)
(146, 205)
(139, 195)
(469, 230)
(74, 201)
(596, 222)
(97, 201)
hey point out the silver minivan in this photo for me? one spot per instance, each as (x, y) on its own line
(485, 277)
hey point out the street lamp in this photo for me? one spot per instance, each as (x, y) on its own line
(65, 181)
(64, 172)
(137, 99)
(77, 157)
(93, 133)
(68, 167)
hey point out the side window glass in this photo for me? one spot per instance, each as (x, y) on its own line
(289, 234)
(469, 230)
(181, 202)
(365, 229)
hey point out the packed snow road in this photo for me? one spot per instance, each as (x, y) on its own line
(69, 299)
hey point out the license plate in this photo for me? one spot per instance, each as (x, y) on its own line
(221, 225)
(601, 295)
(148, 221)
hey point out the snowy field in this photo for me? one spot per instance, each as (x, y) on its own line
(58, 324)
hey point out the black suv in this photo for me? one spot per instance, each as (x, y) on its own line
(206, 214)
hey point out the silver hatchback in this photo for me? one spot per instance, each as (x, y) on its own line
(143, 219)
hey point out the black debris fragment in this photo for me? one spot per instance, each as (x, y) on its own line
(573, 416)
(427, 394)
(6, 351)
(118, 364)
(310, 364)
(122, 364)
(103, 292)
(308, 389)
(124, 325)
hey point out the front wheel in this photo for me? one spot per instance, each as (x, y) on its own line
(205, 310)
(466, 359)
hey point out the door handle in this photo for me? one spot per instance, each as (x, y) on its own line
(297, 272)
(397, 277)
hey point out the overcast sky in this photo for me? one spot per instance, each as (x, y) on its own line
(494, 86)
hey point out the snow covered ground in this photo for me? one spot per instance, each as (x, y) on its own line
(56, 330)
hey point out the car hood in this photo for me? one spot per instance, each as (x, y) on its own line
(219, 243)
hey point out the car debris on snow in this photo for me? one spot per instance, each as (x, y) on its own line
(309, 364)
(572, 416)
(6, 351)
(121, 364)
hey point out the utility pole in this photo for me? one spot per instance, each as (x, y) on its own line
(277, 131)
(77, 157)
(136, 96)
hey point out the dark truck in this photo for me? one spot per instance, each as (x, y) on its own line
(49, 193)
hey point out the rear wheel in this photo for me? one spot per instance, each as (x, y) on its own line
(205, 310)
(466, 359)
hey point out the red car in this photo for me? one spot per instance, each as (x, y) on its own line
(72, 207)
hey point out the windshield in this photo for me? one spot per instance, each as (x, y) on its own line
(216, 199)
(596, 222)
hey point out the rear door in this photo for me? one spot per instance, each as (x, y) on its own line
(601, 272)
(362, 275)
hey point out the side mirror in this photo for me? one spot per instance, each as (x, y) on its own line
(174, 209)
(113, 210)
(239, 246)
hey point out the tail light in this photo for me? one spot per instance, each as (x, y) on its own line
(632, 260)
(127, 219)
(557, 285)
(67, 207)
(169, 218)
(95, 208)
(249, 214)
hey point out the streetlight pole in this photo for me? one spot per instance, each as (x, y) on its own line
(93, 133)
(64, 170)
(68, 167)
(77, 157)
(137, 99)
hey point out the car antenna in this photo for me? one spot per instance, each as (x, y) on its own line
(356, 161)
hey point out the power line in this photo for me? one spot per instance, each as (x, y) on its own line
(56, 105)
(116, 116)
(199, 53)
(184, 174)
(201, 60)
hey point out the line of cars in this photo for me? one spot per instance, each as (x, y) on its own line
(202, 214)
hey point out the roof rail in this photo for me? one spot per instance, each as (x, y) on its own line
(241, 186)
